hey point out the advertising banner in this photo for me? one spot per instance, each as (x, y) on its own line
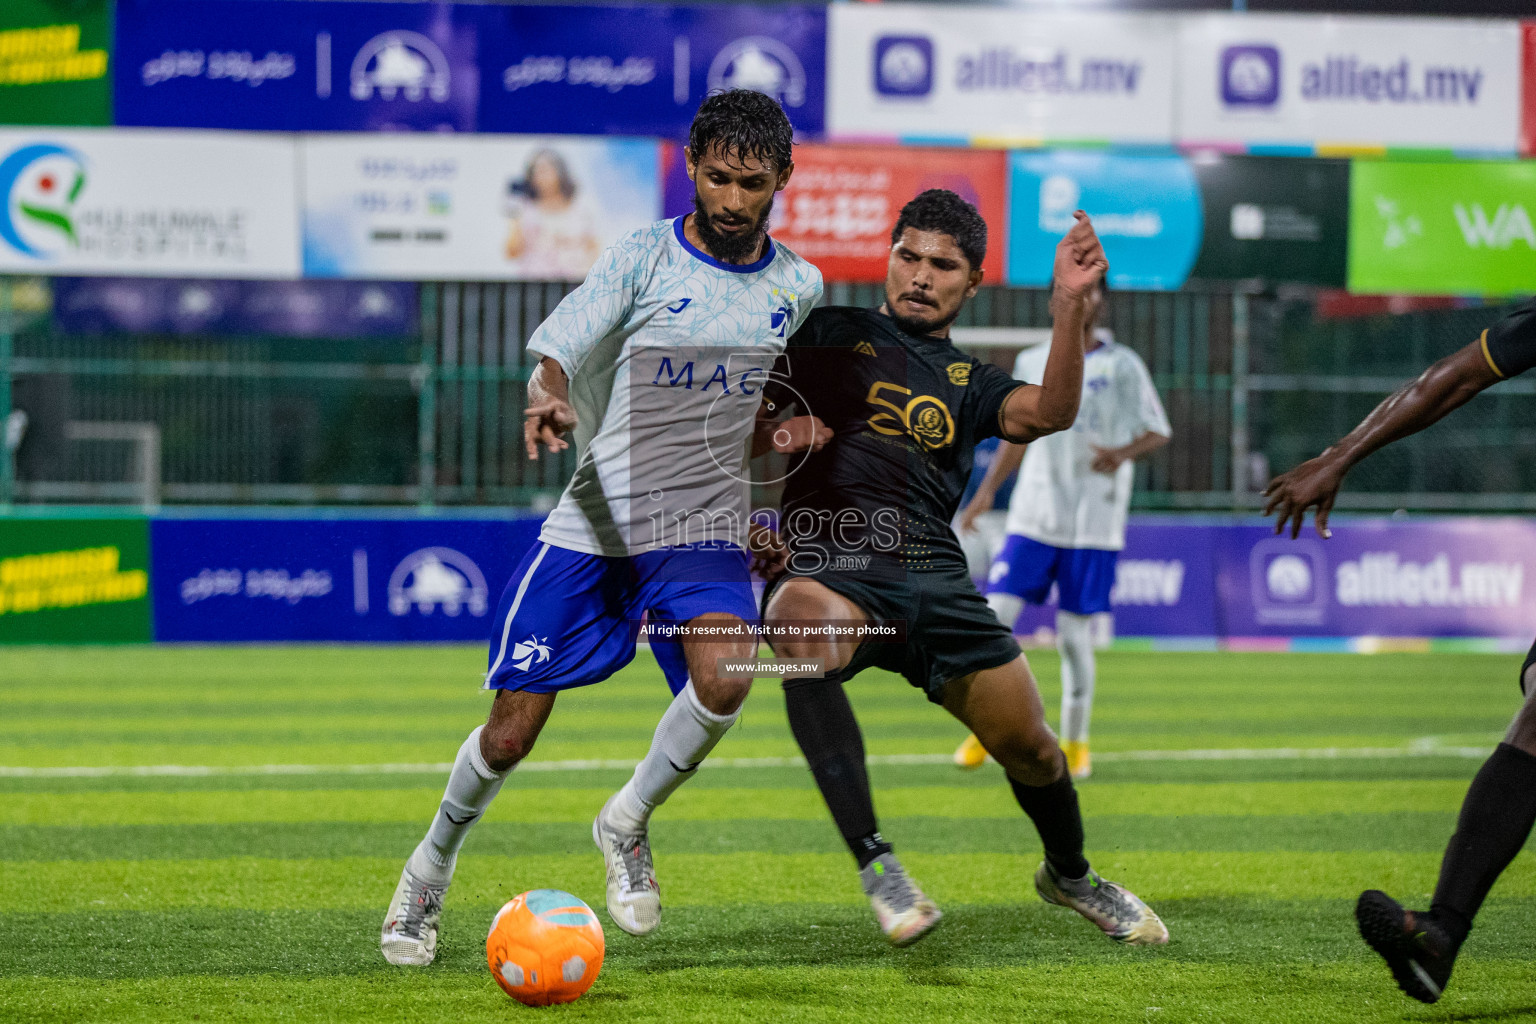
(487, 208)
(1165, 583)
(1146, 210)
(394, 580)
(925, 71)
(335, 66)
(1442, 228)
(1446, 577)
(148, 203)
(1275, 218)
(644, 70)
(1287, 81)
(82, 581)
(54, 57)
(293, 309)
(1528, 88)
(275, 65)
(842, 201)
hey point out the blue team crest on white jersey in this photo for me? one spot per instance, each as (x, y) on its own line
(666, 402)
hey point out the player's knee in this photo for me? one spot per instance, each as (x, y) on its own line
(504, 747)
(1522, 731)
(1030, 755)
(722, 695)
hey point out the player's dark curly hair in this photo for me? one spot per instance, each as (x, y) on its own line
(939, 209)
(744, 124)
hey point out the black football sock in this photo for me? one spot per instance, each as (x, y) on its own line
(1495, 821)
(1054, 811)
(823, 723)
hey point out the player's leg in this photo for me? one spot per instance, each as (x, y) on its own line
(1085, 581)
(483, 762)
(1002, 707)
(824, 726)
(553, 631)
(1023, 568)
(694, 589)
(1495, 821)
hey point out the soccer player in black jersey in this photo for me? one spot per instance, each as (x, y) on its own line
(866, 520)
(1496, 818)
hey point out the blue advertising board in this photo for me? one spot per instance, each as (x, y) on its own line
(274, 65)
(1146, 210)
(645, 70)
(1165, 583)
(1439, 577)
(290, 309)
(395, 580)
(376, 66)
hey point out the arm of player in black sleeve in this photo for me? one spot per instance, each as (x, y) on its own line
(1507, 347)
(772, 431)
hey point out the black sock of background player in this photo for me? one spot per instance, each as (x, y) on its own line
(823, 723)
(1495, 821)
(1054, 811)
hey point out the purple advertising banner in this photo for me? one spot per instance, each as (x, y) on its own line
(282, 66)
(1165, 583)
(291, 309)
(324, 580)
(644, 70)
(361, 66)
(1433, 578)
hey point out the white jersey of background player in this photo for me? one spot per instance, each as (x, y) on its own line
(657, 361)
(1066, 519)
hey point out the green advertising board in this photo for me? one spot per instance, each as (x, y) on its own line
(74, 580)
(54, 57)
(1442, 228)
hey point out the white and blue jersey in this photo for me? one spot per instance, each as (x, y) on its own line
(667, 351)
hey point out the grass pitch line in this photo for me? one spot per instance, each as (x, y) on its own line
(1419, 748)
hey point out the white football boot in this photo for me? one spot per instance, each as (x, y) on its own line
(409, 938)
(634, 898)
(1117, 911)
(904, 912)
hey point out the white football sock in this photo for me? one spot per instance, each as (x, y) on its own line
(472, 785)
(1007, 608)
(685, 736)
(1074, 639)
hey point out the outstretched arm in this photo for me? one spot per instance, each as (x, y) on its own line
(1033, 411)
(1445, 386)
(1005, 462)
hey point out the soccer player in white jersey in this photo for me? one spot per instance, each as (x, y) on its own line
(1066, 519)
(657, 363)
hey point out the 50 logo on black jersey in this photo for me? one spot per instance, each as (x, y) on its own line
(923, 418)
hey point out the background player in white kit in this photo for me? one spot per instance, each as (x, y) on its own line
(1066, 519)
(657, 361)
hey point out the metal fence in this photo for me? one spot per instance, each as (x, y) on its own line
(1252, 383)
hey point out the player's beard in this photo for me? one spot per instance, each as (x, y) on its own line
(921, 328)
(737, 248)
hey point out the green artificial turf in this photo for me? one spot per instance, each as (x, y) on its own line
(255, 894)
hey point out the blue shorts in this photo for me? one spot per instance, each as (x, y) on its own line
(570, 619)
(1026, 568)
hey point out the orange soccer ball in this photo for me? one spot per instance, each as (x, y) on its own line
(545, 946)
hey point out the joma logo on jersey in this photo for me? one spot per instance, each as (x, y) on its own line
(683, 377)
(923, 418)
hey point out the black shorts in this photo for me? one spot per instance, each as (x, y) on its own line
(949, 631)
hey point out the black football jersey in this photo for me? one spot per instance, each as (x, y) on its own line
(906, 412)
(1510, 344)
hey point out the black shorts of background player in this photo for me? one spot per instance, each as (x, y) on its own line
(1496, 818)
(904, 409)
